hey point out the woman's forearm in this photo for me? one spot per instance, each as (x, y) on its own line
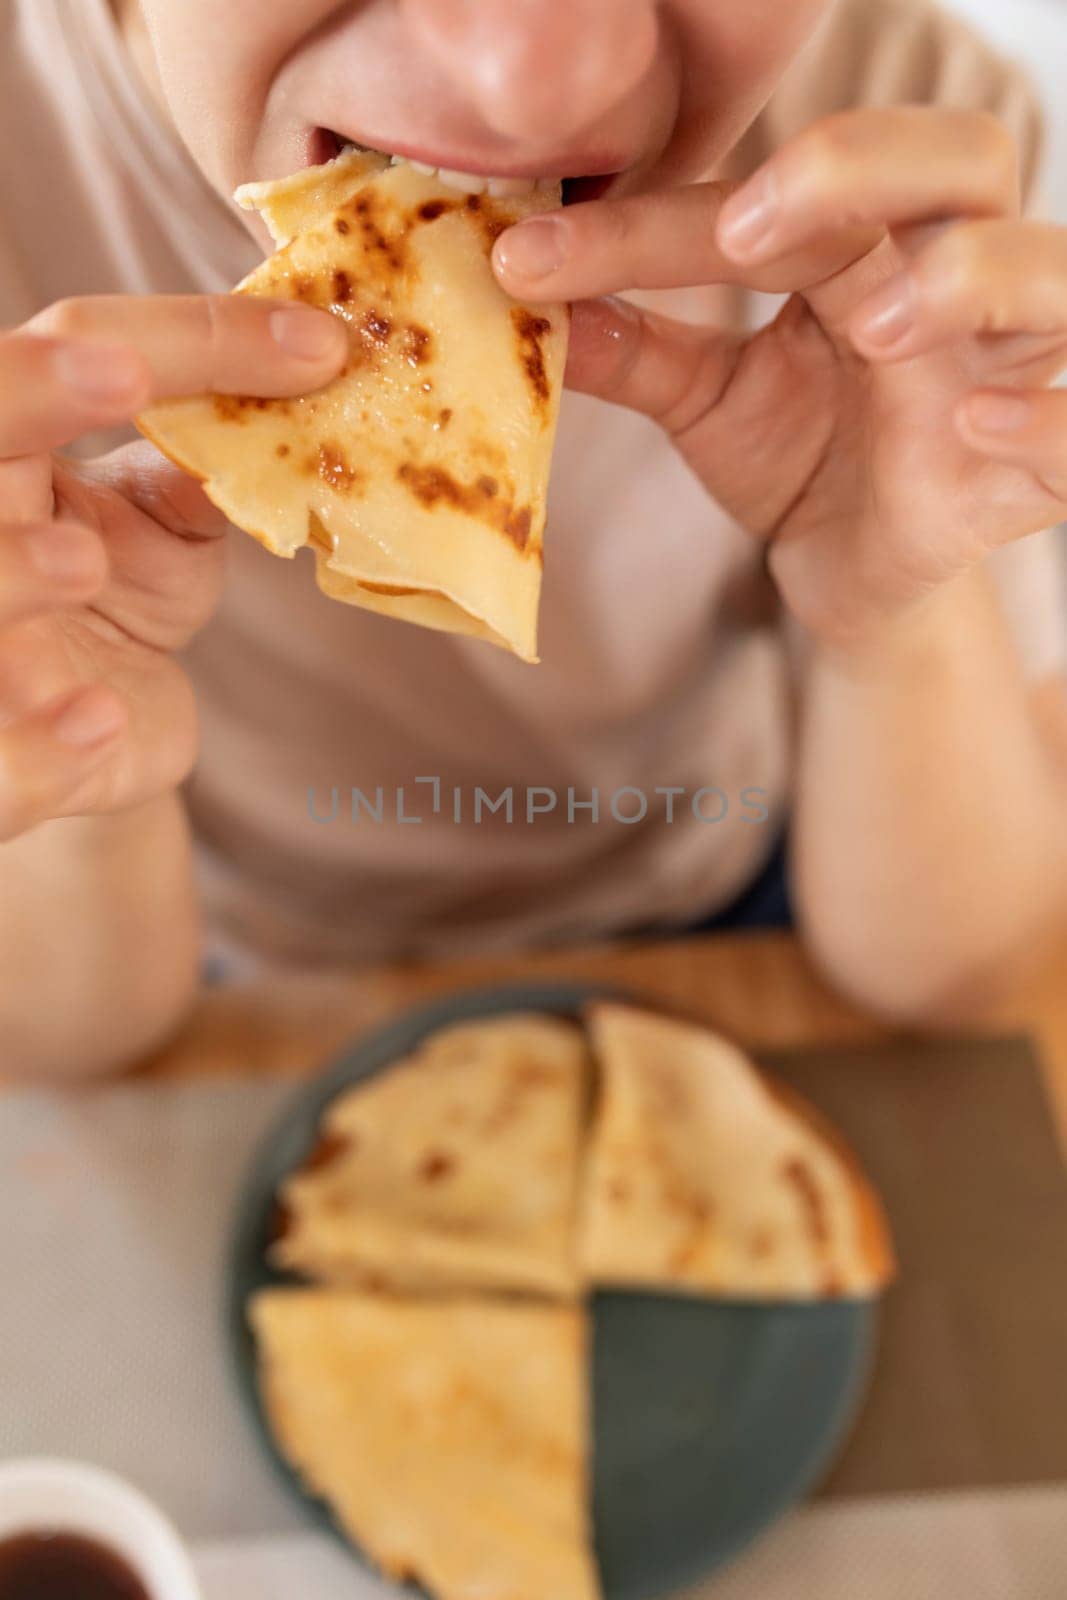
(932, 810)
(99, 940)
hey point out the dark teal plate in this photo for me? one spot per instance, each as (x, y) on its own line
(710, 1420)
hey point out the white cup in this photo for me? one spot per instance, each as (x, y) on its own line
(67, 1497)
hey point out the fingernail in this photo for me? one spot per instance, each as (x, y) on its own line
(749, 218)
(533, 249)
(64, 553)
(889, 314)
(90, 720)
(99, 372)
(999, 413)
(308, 335)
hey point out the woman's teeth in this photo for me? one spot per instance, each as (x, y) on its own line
(478, 183)
(473, 182)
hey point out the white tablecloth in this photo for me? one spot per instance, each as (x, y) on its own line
(990, 1546)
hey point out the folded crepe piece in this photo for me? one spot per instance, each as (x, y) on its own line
(420, 475)
(449, 1438)
(456, 1168)
(706, 1177)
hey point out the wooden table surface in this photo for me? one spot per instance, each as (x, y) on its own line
(759, 988)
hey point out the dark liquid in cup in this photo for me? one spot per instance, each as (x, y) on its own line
(64, 1566)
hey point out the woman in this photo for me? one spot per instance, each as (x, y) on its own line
(801, 573)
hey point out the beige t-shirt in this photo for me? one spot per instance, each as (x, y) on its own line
(664, 688)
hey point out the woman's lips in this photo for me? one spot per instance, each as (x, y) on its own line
(325, 143)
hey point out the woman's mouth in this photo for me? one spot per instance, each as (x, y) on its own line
(325, 145)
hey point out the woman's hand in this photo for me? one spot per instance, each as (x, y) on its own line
(106, 570)
(894, 424)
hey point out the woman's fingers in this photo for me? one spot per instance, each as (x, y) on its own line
(669, 370)
(1025, 428)
(95, 362)
(877, 168)
(821, 203)
(51, 760)
(27, 490)
(656, 241)
(978, 278)
(229, 344)
(52, 390)
(45, 566)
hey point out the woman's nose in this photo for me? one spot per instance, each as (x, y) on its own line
(537, 69)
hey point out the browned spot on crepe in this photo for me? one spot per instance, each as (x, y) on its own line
(238, 407)
(326, 1150)
(532, 331)
(535, 1075)
(435, 1166)
(335, 469)
(417, 344)
(526, 1076)
(799, 1174)
(492, 220)
(874, 1238)
(430, 210)
(376, 327)
(518, 526)
(279, 1222)
(695, 1214)
(377, 221)
(483, 499)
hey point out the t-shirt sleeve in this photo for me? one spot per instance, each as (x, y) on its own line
(908, 52)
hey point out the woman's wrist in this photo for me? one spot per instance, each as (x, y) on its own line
(926, 634)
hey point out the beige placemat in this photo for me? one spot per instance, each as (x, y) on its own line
(970, 1389)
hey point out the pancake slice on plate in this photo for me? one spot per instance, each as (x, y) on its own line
(420, 475)
(704, 1177)
(449, 1438)
(454, 1169)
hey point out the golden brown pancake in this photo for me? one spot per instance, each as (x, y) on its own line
(457, 1168)
(707, 1179)
(450, 1438)
(420, 475)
